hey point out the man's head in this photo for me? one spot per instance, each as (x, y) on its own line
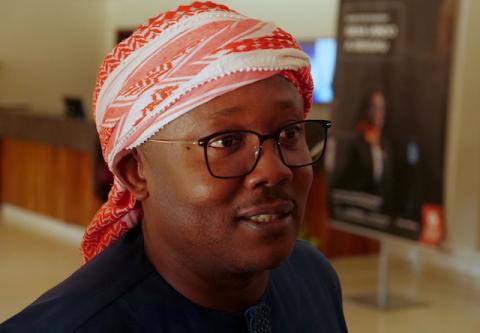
(189, 73)
(238, 224)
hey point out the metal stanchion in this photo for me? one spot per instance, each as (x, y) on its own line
(382, 299)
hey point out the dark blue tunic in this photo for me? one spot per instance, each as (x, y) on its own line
(120, 291)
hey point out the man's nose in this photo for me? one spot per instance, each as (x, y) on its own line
(270, 169)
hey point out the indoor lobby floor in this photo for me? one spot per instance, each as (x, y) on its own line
(30, 264)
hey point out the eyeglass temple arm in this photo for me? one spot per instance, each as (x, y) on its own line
(175, 141)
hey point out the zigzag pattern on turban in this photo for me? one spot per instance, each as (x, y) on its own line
(179, 60)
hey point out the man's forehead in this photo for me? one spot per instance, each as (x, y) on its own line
(273, 93)
(231, 111)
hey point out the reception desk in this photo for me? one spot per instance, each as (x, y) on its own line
(47, 165)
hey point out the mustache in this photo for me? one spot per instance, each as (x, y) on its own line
(268, 195)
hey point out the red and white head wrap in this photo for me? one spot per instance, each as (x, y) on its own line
(180, 60)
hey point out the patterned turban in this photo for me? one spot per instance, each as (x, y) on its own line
(178, 61)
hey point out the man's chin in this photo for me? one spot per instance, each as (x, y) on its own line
(268, 257)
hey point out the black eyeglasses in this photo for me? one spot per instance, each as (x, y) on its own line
(231, 154)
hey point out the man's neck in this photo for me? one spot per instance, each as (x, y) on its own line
(229, 292)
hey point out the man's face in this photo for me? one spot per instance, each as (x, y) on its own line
(206, 222)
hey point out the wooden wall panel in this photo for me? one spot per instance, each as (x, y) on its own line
(59, 182)
(50, 180)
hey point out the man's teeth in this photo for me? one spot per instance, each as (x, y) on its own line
(262, 218)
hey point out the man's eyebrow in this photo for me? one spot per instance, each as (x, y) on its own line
(224, 112)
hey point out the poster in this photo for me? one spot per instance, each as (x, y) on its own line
(385, 163)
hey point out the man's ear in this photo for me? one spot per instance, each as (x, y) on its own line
(130, 170)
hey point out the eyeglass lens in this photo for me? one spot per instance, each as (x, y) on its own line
(236, 153)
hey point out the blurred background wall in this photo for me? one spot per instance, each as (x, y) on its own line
(321, 15)
(52, 48)
(463, 142)
(49, 49)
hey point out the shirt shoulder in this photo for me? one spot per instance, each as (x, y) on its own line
(310, 262)
(87, 291)
(306, 289)
(308, 268)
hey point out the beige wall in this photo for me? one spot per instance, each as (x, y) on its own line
(48, 49)
(463, 163)
(52, 48)
(305, 19)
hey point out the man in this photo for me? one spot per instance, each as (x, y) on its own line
(201, 119)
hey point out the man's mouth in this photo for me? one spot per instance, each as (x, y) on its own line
(267, 212)
(264, 218)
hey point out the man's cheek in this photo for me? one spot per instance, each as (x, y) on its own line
(303, 180)
(212, 192)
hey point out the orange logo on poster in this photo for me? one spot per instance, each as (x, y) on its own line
(432, 224)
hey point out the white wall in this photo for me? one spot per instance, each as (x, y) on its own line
(305, 19)
(52, 48)
(49, 49)
(463, 164)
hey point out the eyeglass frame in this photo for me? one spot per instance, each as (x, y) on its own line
(203, 142)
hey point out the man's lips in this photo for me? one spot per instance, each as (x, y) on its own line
(266, 212)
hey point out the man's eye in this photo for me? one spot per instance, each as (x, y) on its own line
(291, 133)
(226, 141)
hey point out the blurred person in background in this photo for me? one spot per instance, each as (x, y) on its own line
(201, 118)
(368, 158)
